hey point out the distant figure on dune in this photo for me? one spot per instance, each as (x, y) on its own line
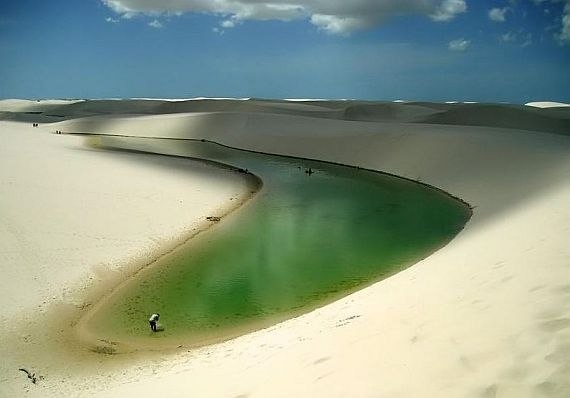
(153, 320)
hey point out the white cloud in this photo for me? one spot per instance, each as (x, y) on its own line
(459, 44)
(229, 23)
(155, 24)
(521, 38)
(448, 9)
(332, 16)
(337, 25)
(111, 20)
(498, 14)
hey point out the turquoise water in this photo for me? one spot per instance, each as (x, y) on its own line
(303, 241)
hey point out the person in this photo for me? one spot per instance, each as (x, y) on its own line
(153, 320)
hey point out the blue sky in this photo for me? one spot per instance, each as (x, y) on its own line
(508, 50)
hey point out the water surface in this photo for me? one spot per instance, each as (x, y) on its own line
(303, 241)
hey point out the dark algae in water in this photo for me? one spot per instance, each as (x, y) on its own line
(305, 239)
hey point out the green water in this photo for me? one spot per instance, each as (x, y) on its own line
(304, 240)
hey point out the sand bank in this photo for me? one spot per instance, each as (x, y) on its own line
(76, 220)
(485, 316)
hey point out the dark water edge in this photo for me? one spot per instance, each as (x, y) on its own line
(316, 232)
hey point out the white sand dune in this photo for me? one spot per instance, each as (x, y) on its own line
(546, 104)
(485, 316)
(68, 211)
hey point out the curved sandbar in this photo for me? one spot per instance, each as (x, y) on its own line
(317, 232)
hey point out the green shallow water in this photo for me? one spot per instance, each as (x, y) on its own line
(303, 241)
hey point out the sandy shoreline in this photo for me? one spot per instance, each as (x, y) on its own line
(484, 316)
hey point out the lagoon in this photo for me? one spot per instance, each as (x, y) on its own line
(304, 240)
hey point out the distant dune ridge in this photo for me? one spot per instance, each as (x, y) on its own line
(485, 316)
(536, 116)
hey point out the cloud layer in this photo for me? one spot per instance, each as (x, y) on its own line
(332, 16)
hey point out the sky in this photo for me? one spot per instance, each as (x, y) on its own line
(434, 50)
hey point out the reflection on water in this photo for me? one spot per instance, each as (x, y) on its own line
(305, 240)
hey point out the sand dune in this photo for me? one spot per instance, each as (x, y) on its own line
(485, 316)
(72, 109)
(552, 120)
(542, 117)
(547, 104)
